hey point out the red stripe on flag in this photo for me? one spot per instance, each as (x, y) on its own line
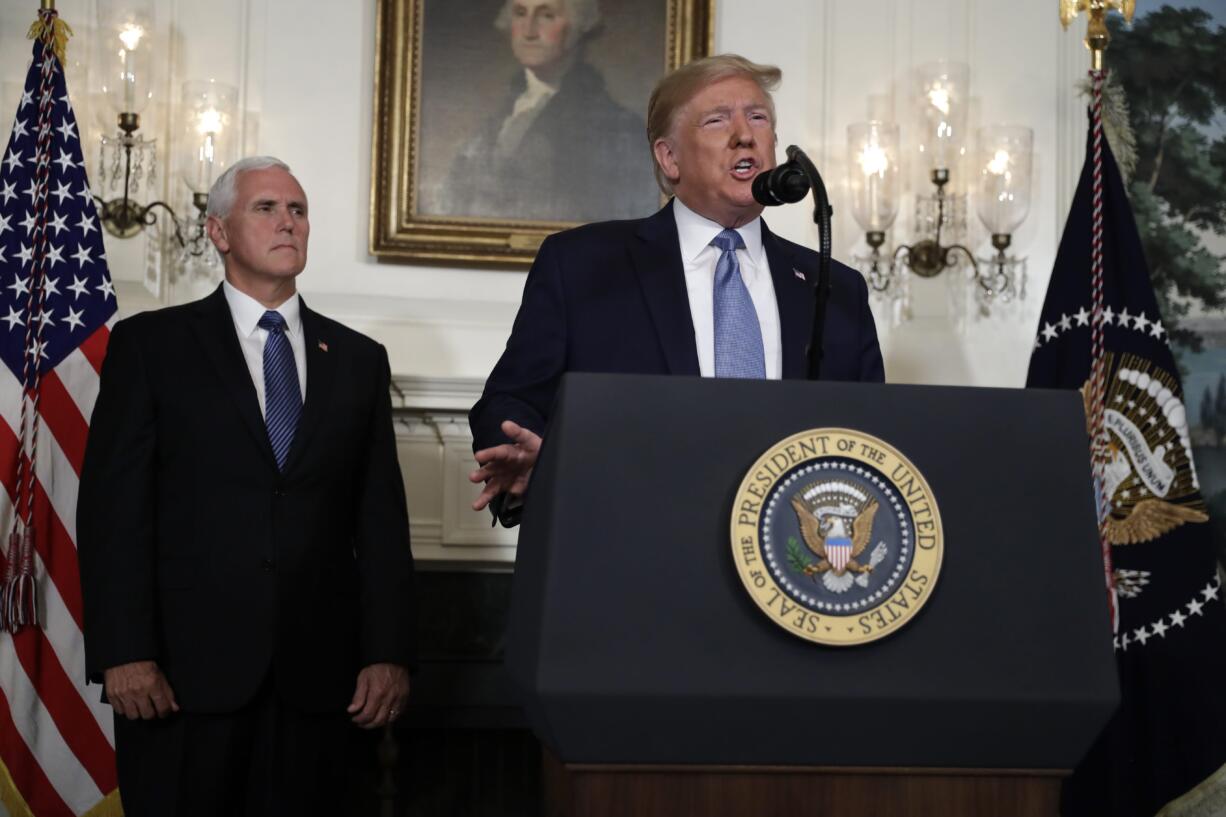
(23, 767)
(63, 702)
(94, 347)
(54, 545)
(59, 554)
(63, 419)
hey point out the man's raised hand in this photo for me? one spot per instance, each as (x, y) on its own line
(506, 468)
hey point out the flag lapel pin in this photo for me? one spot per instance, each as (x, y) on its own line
(798, 273)
(323, 347)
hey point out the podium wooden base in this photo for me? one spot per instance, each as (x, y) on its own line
(575, 790)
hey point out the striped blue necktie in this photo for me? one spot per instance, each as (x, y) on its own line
(282, 396)
(738, 337)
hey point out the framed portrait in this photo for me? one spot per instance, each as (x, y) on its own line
(498, 122)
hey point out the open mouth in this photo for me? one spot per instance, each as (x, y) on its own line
(745, 169)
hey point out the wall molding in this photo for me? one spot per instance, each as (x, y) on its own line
(434, 446)
(412, 392)
(1072, 66)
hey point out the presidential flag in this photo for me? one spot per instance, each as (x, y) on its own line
(57, 304)
(1168, 739)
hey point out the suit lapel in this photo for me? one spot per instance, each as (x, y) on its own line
(794, 295)
(214, 326)
(321, 372)
(656, 258)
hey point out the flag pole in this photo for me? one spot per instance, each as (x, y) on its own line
(1097, 38)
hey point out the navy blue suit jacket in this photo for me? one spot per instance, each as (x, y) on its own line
(611, 297)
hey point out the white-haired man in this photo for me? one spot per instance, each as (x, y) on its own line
(243, 533)
(558, 147)
(700, 288)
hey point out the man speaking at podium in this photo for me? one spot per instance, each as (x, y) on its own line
(700, 288)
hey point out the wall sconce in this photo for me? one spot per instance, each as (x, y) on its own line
(126, 60)
(1002, 194)
(127, 158)
(873, 180)
(208, 147)
(1002, 202)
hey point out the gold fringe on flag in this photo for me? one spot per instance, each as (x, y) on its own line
(108, 806)
(1206, 800)
(59, 30)
(12, 800)
(16, 806)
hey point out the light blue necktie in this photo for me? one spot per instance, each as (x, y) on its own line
(738, 337)
(282, 396)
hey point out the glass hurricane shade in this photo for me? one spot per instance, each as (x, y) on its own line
(208, 141)
(940, 100)
(872, 174)
(1003, 155)
(126, 61)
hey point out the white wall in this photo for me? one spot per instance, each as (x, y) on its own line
(305, 69)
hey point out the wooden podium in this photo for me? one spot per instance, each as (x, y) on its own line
(659, 688)
(768, 791)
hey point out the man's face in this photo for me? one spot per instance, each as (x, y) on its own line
(264, 236)
(721, 139)
(539, 32)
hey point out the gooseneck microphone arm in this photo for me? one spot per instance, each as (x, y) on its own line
(822, 213)
(788, 183)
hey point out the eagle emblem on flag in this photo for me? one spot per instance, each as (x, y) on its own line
(1149, 480)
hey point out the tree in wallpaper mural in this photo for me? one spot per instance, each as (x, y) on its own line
(1169, 65)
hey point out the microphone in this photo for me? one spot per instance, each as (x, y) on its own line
(789, 183)
(785, 184)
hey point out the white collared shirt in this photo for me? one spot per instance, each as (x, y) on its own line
(246, 313)
(536, 93)
(528, 106)
(699, 258)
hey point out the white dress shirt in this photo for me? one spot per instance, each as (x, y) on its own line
(246, 312)
(527, 108)
(699, 258)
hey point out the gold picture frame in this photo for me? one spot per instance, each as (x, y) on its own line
(441, 82)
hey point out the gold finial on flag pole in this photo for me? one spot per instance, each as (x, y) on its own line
(1097, 36)
(50, 25)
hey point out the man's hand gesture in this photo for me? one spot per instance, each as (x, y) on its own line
(139, 690)
(506, 468)
(380, 695)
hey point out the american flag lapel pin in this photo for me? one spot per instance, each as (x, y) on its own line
(323, 347)
(798, 273)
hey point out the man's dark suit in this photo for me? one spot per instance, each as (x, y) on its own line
(611, 297)
(198, 553)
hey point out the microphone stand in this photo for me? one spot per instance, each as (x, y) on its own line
(821, 217)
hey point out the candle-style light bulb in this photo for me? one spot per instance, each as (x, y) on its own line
(130, 35)
(208, 121)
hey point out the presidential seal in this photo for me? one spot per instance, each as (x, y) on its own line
(837, 536)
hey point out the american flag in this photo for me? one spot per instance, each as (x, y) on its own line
(57, 305)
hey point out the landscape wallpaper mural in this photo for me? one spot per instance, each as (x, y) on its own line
(1169, 66)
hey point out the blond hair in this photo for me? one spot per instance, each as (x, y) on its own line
(676, 88)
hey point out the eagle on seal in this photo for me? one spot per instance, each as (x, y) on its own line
(816, 531)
